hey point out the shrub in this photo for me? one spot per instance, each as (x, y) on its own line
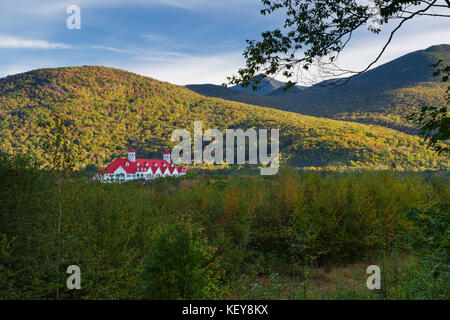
(181, 264)
(432, 239)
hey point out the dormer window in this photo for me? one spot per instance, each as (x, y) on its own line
(127, 164)
(138, 164)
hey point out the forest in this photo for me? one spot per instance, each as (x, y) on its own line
(111, 110)
(296, 235)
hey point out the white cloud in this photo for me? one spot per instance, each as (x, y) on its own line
(188, 69)
(16, 68)
(359, 55)
(179, 67)
(365, 47)
(154, 37)
(110, 49)
(10, 70)
(52, 7)
(10, 42)
(162, 56)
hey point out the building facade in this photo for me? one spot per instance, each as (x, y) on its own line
(130, 168)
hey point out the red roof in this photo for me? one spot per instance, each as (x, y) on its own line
(141, 165)
(131, 150)
(166, 152)
(171, 168)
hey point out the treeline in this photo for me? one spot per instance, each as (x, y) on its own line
(200, 236)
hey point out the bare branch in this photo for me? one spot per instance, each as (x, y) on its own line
(344, 81)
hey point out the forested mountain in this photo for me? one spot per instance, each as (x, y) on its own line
(267, 86)
(384, 95)
(113, 109)
(215, 91)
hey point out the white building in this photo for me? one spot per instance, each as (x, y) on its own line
(127, 169)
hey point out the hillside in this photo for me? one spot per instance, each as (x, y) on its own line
(384, 95)
(267, 86)
(215, 91)
(113, 109)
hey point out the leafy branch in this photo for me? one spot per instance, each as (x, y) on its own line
(315, 33)
(434, 121)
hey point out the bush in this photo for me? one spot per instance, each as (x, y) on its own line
(259, 225)
(181, 264)
(432, 241)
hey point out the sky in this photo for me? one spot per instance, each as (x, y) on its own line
(179, 41)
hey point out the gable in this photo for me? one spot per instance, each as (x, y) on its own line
(120, 170)
(154, 166)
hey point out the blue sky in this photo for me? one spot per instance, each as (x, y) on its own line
(180, 41)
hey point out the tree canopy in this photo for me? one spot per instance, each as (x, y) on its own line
(434, 121)
(315, 32)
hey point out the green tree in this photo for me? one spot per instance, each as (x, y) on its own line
(315, 32)
(180, 264)
(434, 122)
(432, 237)
(60, 154)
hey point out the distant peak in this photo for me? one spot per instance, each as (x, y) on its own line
(438, 47)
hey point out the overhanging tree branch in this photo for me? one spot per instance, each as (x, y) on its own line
(318, 30)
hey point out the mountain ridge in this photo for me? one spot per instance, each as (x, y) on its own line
(112, 109)
(267, 86)
(377, 96)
